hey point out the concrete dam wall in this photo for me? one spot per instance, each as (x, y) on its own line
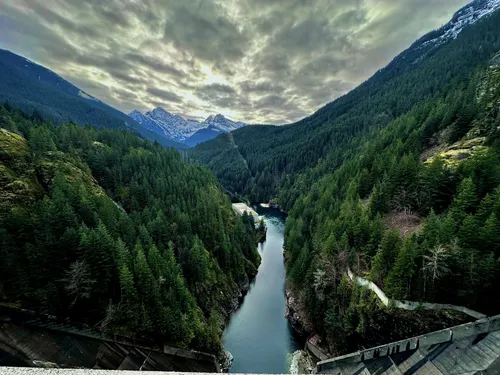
(44, 342)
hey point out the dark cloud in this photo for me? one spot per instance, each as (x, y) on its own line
(217, 89)
(263, 87)
(63, 23)
(154, 63)
(220, 95)
(124, 76)
(262, 61)
(164, 94)
(125, 95)
(202, 28)
(272, 101)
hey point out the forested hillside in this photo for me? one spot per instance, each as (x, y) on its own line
(399, 180)
(36, 89)
(104, 228)
(266, 162)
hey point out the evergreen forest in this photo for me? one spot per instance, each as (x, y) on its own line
(106, 229)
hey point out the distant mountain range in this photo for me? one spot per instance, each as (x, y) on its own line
(178, 129)
(32, 87)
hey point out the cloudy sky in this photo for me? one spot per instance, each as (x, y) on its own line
(259, 61)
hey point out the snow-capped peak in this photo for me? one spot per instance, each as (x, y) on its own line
(468, 15)
(135, 112)
(221, 123)
(179, 129)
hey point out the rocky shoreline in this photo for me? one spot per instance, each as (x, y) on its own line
(304, 361)
(235, 301)
(295, 313)
(225, 358)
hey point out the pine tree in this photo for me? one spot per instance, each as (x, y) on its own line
(385, 256)
(97, 247)
(491, 234)
(465, 200)
(129, 297)
(469, 233)
(146, 286)
(399, 279)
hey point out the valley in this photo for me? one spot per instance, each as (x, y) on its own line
(381, 217)
(398, 180)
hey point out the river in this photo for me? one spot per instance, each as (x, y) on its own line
(259, 336)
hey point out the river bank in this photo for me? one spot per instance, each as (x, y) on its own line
(303, 361)
(295, 312)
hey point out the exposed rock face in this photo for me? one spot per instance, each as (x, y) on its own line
(302, 363)
(190, 132)
(224, 357)
(226, 360)
(243, 287)
(295, 313)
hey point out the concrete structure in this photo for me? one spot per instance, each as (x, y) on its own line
(410, 305)
(471, 348)
(34, 340)
(56, 371)
(241, 208)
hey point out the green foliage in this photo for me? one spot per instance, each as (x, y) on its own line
(386, 256)
(112, 220)
(45, 95)
(398, 281)
(379, 153)
(264, 162)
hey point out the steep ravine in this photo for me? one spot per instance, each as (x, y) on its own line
(258, 336)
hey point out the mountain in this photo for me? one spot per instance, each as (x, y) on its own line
(276, 155)
(219, 122)
(466, 16)
(202, 135)
(34, 88)
(398, 181)
(189, 132)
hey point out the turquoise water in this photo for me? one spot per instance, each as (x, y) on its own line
(258, 335)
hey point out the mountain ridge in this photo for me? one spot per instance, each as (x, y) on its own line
(327, 127)
(188, 132)
(35, 88)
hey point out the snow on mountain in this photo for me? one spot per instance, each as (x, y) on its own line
(468, 15)
(223, 124)
(150, 124)
(179, 129)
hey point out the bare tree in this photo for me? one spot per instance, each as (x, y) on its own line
(328, 276)
(111, 312)
(319, 283)
(435, 264)
(78, 281)
(362, 261)
(403, 201)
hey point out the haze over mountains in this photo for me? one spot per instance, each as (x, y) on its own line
(188, 132)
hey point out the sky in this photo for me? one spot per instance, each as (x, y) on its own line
(258, 61)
